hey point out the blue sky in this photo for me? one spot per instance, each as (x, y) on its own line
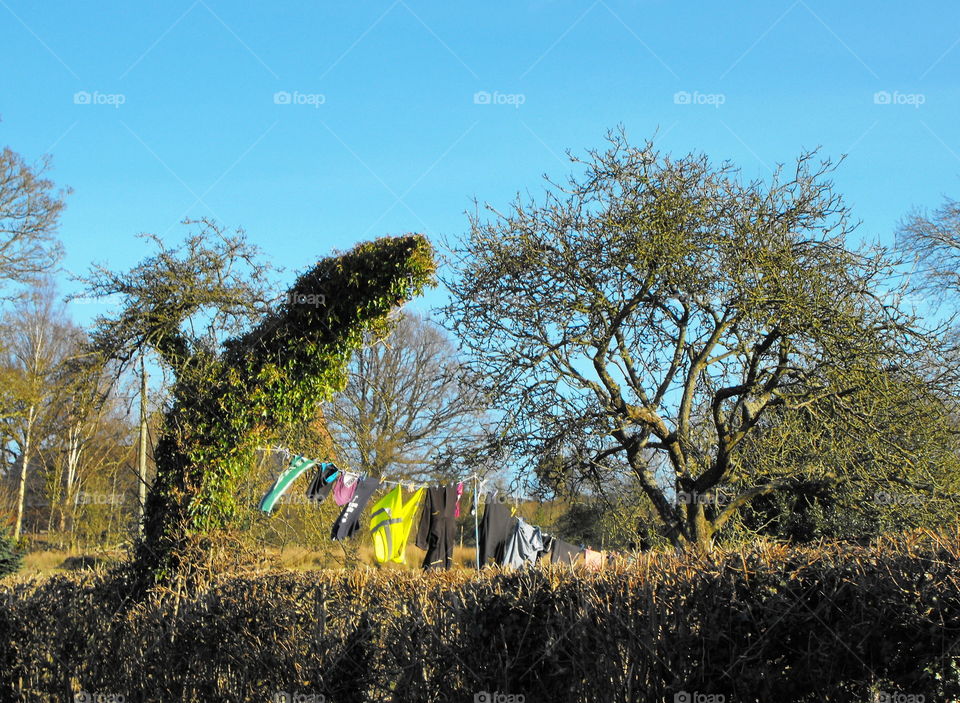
(318, 125)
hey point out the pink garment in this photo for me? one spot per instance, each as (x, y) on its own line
(344, 488)
(456, 513)
(593, 560)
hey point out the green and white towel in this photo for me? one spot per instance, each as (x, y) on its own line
(298, 465)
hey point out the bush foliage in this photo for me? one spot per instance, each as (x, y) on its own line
(228, 402)
(10, 556)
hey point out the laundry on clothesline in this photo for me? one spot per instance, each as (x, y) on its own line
(344, 487)
(391, 520)
(593, 559)
(494, 532)
(297, 467)
(502, 538)
(562, 552)
(456, 513)
(524, 544)
(349, 521)
(322, 482)
(437, 531)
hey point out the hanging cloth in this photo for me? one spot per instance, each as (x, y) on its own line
(524, 544)
(456, 513)
(322, 482)
(298, 465)
(494, 531)
(544, 553)
(349, 521)
(593, 559)
(344, 488)
(390, 522)
(562, 552)
(437, 531)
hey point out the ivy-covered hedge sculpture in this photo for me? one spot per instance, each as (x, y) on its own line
(229, 401)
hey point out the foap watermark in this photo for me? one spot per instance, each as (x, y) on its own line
(97, 697)
(698, 697)
(694, 498)
(287, 97)
(298, 697)
(112, 299)
(295, 499)
(483, 97)
(684, 97)
(84, 498)
(895, 97)
(295, 297)
(898, 697)
(85, 97)
(894, 498)
(497, 697)
(502, 498)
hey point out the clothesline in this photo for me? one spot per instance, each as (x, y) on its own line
(526, 542)
(477, 483)
(412, 484)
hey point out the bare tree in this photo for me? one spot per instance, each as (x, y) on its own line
(933, 238)
(39, 340)
(182, 300)
(87, 415)
(29, 217)
(405, 408)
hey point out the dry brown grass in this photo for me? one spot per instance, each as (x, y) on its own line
(296, 557)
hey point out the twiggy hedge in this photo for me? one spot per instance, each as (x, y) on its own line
(769, 624)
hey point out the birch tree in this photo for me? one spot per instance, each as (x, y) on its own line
(39, 339)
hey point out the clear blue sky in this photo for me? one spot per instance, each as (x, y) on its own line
(317, 125)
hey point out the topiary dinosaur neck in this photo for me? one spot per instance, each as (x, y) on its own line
(265, 380)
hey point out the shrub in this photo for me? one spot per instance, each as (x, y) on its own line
(10, 557)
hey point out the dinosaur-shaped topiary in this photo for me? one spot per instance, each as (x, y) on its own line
(226, 401)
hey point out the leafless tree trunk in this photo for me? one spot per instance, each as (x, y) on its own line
(22, 479)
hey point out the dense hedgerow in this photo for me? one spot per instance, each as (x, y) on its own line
(768, 624)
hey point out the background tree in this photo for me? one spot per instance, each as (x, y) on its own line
(230, 398)
(892, 464)
(183, 301)
(92, 432)
(404, 408)
(39, 340)
(933, 240)
(29, 217)
(664, 307)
